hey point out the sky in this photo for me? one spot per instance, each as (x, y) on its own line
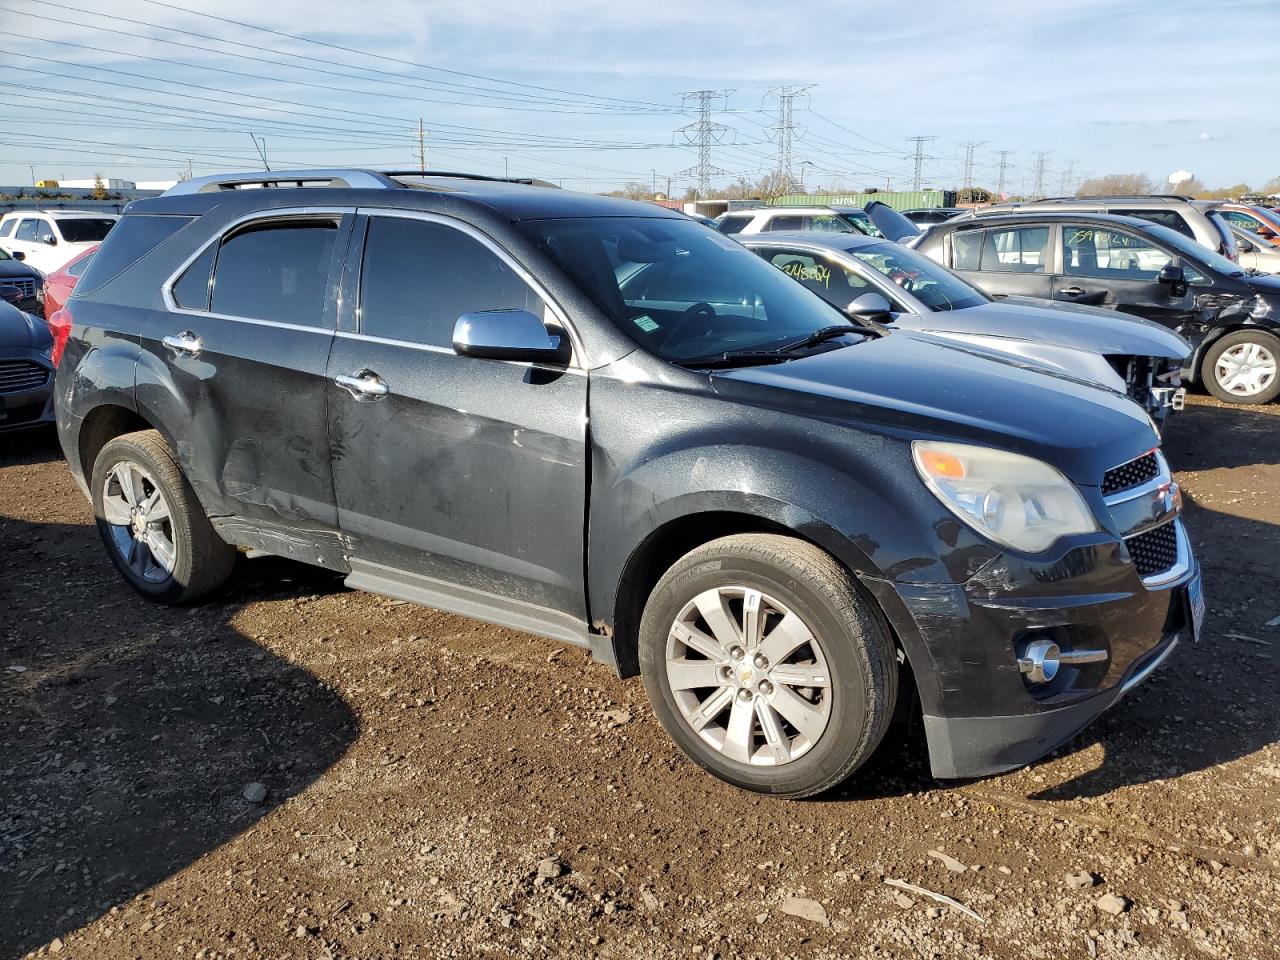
(591, 95)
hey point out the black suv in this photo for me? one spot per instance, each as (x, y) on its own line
(600, 421)
(1230, 317)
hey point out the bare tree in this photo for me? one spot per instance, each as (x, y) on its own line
(1118, 185)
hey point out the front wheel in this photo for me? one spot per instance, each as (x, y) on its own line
(766, 666)
(1243, 367)
(153, 526)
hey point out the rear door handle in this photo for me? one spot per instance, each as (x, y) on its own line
(363, 385)
(184, 343)
(1071, 291)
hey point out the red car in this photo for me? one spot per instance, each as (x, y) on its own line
(59, 284)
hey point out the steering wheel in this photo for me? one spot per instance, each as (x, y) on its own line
(699, 309)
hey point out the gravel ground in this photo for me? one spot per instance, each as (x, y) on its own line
(436, 787)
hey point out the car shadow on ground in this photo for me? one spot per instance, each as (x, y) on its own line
(129, 731)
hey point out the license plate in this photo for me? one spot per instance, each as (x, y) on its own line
(1195, 597)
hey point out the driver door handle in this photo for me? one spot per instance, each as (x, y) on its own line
(363, 385)
(185, 343)
(1071, 291)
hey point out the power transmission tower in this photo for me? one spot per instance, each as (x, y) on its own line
(785, 128)
(422, 148)
(1004, 169)
(1042, 169)
(704, 132)
(1066, 185)
(918, 158)
(969, 147)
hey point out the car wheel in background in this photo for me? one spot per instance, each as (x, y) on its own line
(152, 524)
(766, 666)
(1243, 367)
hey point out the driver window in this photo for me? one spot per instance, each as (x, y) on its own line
(1110, 255)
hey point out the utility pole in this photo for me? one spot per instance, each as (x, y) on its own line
(506, 169)
(1042, 169)
(969, 147)
(785, 128)
(1004, 169)
(422, 148)
(1066, 183)
(703, 132)
(262, 150)
(654, 171)
(918, 158)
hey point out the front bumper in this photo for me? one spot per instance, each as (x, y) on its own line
(30, 407)
(981, 716)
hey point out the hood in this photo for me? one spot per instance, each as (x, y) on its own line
(20, 330)
(918, 386)
(17, 268)
(890, 222)
(1071, 325)
(1267, 284)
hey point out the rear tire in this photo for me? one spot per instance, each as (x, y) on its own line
(1243, 367)
(788, 683)
(151, 523)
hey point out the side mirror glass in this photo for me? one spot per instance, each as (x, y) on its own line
(508, 335)
(870, 306)
(18, 255)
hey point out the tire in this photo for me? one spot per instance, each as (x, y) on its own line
(1255, 355)
(847, 646)
(170, 554)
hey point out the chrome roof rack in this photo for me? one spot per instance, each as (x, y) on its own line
(337, 177)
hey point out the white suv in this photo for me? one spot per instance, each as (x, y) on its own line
(47, 239)
(772, 219)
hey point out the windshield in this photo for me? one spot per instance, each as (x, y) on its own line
(933, 285)
(84, 229)
(1197, 253)
(679, 290)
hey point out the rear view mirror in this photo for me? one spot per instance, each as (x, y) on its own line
(508, 335)
(870, 306)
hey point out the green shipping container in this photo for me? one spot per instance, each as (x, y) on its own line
(899, 200)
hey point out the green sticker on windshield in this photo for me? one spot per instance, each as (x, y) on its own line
(646, 323)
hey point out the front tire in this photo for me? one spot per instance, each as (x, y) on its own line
(766, 666)
(1243, 367)
(153, 527)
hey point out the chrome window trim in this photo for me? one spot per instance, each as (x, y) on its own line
(560, 314)
(450, 352)
(265, 216)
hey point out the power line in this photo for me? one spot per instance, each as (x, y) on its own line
(785, 128)
(704, 132)
(918, 158)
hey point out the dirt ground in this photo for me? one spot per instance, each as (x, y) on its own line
(437, 787)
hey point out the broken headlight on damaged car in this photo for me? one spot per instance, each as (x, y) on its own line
(1014, 500)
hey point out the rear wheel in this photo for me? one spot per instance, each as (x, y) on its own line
(154, 529)
(766, 666)
(1243, 367)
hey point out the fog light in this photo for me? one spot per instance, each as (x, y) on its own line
(1039, 660)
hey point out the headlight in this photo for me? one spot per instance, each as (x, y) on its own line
(1015, 500)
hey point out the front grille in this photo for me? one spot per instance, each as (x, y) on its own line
(18, 375)
(1155, 551)
(26, 286)
(1131, 474)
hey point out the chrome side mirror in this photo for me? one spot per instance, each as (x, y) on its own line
(508, 335)
(870, 306)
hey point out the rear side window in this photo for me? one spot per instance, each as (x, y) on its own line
(78, 268)
(731, 225)
(1166, 218)
(6, 228)
(128, 242)
(419, 277)
(275, 271)
(967, 247)
(1015, 250)
(192, 289)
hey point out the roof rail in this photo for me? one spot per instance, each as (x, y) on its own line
(527, 181)
(1115, 196)
(338, 177)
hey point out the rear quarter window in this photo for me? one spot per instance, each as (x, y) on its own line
(128, 242)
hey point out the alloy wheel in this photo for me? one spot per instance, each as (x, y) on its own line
(137, 514)
(1245, 369)
(748, 676)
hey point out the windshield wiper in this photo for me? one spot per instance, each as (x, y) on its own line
(784, 351)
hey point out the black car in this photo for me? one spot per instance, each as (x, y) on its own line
(26, 370)
(19, 284)
(595, 420)
(1230, 317)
